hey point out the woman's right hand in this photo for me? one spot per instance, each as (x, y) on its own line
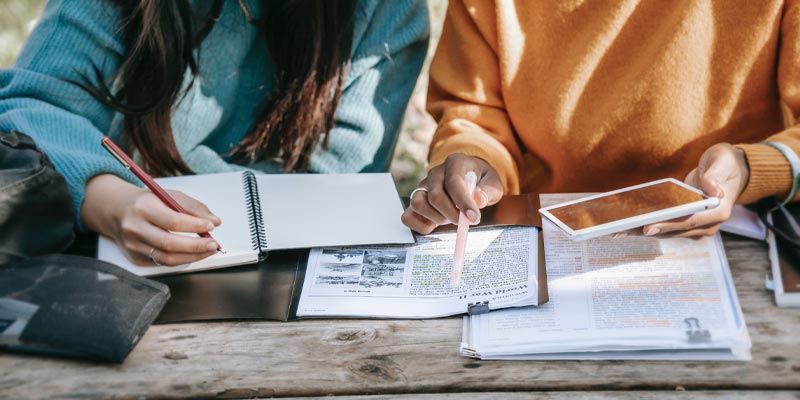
(446, 193)
(142, 225)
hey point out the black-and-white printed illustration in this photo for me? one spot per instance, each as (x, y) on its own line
(338, 274)
(342, 256)
(382, 276)
(385, 257)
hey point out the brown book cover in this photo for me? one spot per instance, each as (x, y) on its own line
(789, 276)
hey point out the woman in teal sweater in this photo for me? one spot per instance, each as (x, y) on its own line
(205, 87)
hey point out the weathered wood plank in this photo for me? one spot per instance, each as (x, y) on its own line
(639, 395)
(354, 357)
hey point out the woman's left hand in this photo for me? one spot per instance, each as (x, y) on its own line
(722, 172)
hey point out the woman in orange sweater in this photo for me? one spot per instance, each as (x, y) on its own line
(592, 96)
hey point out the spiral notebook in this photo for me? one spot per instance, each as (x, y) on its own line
(283, 211)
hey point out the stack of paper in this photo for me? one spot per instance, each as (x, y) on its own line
(630, 298)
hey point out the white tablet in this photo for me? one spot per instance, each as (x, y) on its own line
(628, 208)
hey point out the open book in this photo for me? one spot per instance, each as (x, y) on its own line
(268, 212)
(504, 267)
(630, 298)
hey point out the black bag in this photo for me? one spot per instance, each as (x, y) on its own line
(36, 209)
(75, 306)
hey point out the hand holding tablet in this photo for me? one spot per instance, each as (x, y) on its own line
(628, 208)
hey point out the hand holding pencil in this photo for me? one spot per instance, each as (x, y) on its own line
(444, 193)
(142, 224)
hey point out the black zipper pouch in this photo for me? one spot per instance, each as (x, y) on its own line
(74, 306)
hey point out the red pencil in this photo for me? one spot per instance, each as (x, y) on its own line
(148, 181)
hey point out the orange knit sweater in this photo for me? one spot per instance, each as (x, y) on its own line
(578, 96)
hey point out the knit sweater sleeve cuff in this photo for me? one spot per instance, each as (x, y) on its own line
(479, 145)
(77, 178)
(770, 173)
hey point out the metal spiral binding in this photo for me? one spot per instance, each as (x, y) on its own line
(258, 235)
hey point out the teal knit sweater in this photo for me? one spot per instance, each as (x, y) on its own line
(389, 45)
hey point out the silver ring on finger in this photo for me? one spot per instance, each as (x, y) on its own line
(152, 257)
(419, 189)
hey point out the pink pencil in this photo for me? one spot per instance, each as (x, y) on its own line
(461, 234)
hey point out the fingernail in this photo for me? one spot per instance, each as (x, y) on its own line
(619, 235)
(209, 227)
(483, 196)
(717, 185)
(652, 232)
(212, 246)
(216, 219)
(473, 216)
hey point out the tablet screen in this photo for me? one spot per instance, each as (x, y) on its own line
(622, 205)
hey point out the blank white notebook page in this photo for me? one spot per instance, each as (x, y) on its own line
(314, 210)
(224, 195)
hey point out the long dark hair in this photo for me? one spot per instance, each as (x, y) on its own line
(309, 43)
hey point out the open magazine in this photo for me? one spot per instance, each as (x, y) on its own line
(504, 267)
(631, 298)
(501, 270)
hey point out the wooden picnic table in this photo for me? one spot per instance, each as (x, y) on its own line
(411, 359)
